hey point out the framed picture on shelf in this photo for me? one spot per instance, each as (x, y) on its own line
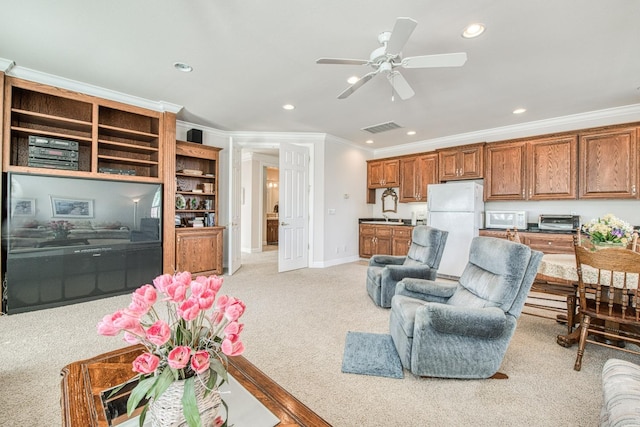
(24, 207)
(62, 207)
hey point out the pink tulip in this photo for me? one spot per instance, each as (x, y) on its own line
(198, 287)
(176, 291)
(183, 278)
(179, 357)
(231, 348)
(200, 361)
(126, 321)
(147, 294)
(211, 282)
(205, 301)
(218, 422)
(234, 311)
(159, 333)
(106, 326)
(233, 328)
(137, 308)
(223, 301)
(161, 282)
(217, 317)
(189, 309)
(146, 363)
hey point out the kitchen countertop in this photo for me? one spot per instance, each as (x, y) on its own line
(380, 221)
(533, 228)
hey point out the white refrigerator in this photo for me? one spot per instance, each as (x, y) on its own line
(458, 208)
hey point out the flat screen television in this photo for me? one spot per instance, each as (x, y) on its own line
(68, 240)
(50, 211)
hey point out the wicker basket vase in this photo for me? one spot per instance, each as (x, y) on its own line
(167, 409)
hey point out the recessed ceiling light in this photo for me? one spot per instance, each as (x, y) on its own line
(519, 110)
(369, 141)
(288, 107)
(181, 66)
(411, 132)
(351, 80)
(473, 30)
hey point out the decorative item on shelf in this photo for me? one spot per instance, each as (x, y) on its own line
(608, 231)
(194, 203)
(61, 229)
(186, 355)
(181, 203)
(207, 187)
(190, 171)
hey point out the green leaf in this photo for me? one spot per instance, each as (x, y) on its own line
(189, 404)
(162, 384)
(220, 369)
(138, 393)
(143, 415)
(211, 382)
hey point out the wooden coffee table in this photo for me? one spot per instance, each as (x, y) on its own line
(83, 381)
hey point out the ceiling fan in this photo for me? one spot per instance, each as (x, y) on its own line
(389, 56)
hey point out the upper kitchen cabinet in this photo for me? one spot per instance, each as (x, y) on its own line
(416, 172)
(533, 169)
(463, 162)
(608, 164)
(383, 173)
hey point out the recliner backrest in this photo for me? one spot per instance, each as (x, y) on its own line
(427, 245)
(494, 275)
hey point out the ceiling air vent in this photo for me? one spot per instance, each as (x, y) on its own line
(382, 127)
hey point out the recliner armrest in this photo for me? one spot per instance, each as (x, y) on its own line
(400, 272)
(488, 322)
(384, 260)
(425, 289)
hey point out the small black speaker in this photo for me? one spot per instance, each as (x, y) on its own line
(194, 135)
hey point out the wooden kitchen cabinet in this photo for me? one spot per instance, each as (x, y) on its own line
(416, 173)
(272, 232)
(532, 169)
(608, 164)
(384, 239)
(548, 243)
(401, 240)
(383, 173)
(463, 162)
(199, 250)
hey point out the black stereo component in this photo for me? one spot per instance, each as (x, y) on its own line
(194, 135)
(53, 164)
(41, 141)
(52, 153)
(117, 171)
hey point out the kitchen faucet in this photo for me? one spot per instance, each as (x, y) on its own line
(386, 217)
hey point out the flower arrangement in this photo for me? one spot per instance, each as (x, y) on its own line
(608, 229)
(60, 226)
(201, 329)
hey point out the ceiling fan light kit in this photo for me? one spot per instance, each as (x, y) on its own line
(388, 57)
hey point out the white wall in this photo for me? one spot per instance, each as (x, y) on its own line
(343, 176)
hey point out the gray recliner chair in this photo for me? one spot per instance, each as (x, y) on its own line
(422, 261)
(463, 329)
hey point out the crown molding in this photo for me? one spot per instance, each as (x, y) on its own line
(73, 85)
(609, 116)
(6, 65)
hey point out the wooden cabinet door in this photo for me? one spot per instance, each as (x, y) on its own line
(448, 165)
(374, 174)
(428, 174)
(552, 168)
(472, 162)
(199, 251)
(608, 162)
(466, 162)
(409, 179)
(401, 240)
(505, 174)
(391, 170)
(367, 240)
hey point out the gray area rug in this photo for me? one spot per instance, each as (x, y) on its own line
(371, 354)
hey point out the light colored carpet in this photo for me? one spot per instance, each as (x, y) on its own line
(296, 323)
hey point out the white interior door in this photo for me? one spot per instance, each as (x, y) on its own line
(235, 255)
(293, 234)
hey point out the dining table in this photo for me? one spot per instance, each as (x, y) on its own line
(560, 271)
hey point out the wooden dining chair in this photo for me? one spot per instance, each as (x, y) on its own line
(608, 296)
(513, 235)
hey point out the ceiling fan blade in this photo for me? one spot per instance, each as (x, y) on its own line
(400, 85)
(432, 61)
(348, 91)
(341, 61)
(400, 34)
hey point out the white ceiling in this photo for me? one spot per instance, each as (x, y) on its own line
(554, 58)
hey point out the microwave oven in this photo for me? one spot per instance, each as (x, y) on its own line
(506, 219)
